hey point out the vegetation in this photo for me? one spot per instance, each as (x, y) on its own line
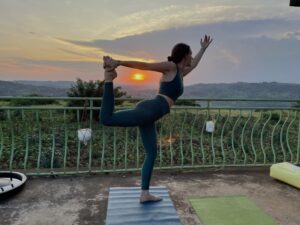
(185, 102)
(28, 102)
(50, 140)
(47, 138)
(297, 105)
(90, 89)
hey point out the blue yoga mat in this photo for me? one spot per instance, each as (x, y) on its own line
(124, 208)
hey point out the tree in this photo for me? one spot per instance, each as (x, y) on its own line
(90, 89)
(29, 102)
(297, 105)
(186, 102)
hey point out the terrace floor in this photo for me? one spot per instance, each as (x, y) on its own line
(83, 199)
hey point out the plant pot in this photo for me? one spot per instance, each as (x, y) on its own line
(210, 126)
(84, 135)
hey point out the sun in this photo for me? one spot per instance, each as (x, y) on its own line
(138, 76)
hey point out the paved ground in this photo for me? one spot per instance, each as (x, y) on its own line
(83, 199)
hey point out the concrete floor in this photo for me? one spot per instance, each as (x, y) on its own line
(83, 199)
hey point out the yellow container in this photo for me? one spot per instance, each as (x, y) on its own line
(287, 173)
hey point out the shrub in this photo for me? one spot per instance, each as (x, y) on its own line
(90, 89)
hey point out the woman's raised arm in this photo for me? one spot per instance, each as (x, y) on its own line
(204, 45)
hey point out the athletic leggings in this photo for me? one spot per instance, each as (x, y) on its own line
(144, 116)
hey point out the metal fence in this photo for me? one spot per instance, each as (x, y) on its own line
(42, 139)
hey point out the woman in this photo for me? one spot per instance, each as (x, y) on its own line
(146, 112)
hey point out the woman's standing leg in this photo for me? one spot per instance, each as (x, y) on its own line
(134, 117)
(148, 135)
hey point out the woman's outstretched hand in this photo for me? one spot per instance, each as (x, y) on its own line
(206, 42)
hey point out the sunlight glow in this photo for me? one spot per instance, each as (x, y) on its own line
(138, 76)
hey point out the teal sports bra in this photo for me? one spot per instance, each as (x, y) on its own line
(173, 88)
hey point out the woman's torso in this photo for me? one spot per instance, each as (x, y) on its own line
(169, 100)
(169, 77)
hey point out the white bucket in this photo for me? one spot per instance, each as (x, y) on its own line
(84, 135)
(210, 126)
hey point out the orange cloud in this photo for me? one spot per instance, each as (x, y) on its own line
(29, 70)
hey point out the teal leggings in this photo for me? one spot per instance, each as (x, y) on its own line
(144, 116)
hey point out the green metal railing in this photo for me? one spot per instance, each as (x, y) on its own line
(42, 139)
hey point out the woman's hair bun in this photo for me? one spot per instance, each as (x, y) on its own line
(179, 51)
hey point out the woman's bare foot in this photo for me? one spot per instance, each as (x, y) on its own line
(110, 73)
(111, 63)
(147, 197)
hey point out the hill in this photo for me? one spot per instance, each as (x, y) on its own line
(53, 84)
(9, 88)
(269, 90)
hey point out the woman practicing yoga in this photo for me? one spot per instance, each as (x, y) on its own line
(146, 112)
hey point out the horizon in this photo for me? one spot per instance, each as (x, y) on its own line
(64, 40)
(136, 85)
(288, 91)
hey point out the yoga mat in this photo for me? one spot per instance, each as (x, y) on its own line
(229, 210)
(287, 173)
(124, 208)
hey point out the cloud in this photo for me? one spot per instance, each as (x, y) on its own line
(249, 51)
(158, 44)
(292, 35)
(78, 53)
(9, 49)
(179, 16)
(114, 48)
(230, 56)
(22, 68)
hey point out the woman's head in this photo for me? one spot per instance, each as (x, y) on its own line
(179, 52)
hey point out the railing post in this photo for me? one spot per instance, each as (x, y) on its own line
(12, 140)
(298, 147)
(40, 141)
(27, 142)
(91, 141)
(66, 142)
(2, 140)
(208, 109)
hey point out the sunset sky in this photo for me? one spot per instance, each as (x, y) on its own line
(254, 40)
